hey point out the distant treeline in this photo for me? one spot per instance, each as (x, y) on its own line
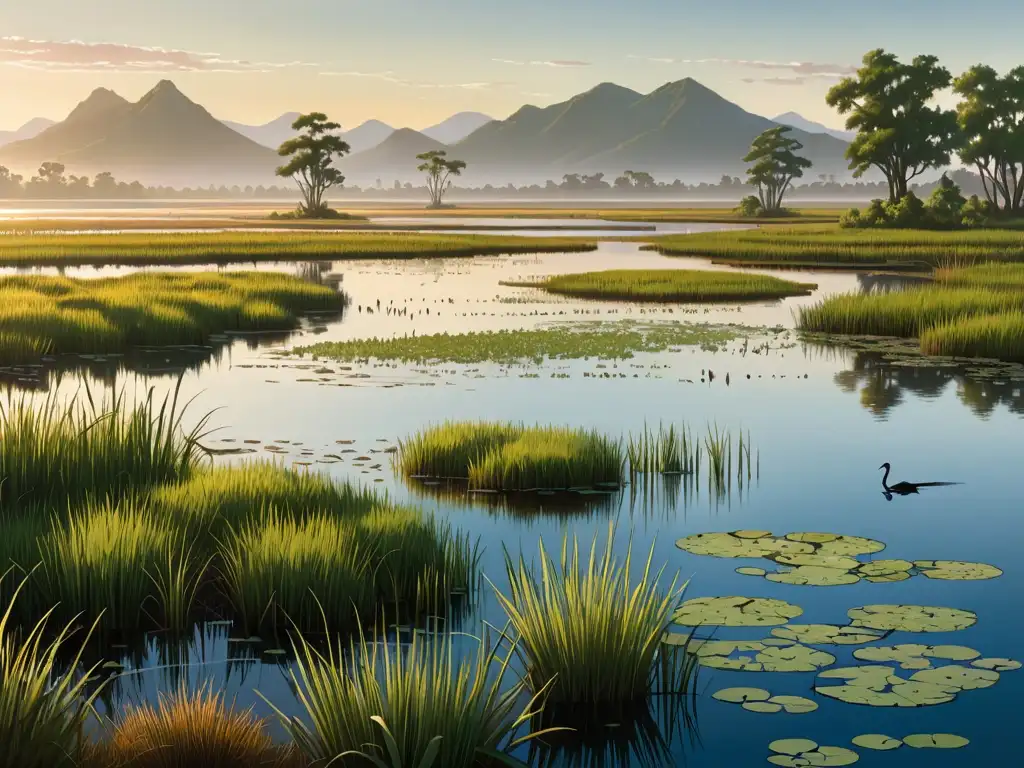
(52, 183)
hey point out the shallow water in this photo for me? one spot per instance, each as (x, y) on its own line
(822, 419)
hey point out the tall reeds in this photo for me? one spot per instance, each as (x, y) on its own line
(672, 451)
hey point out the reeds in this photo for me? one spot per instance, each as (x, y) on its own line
(188, 729)
(670, 285)
(410, 706)
(999, 336)
(513, 457)
(672, 451)
(589, 630)
(63, 315)
(128, 248)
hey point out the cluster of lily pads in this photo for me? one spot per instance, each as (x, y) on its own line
(792, 753)
(826, 559)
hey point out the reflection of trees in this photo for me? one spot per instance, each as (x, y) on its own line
(883, 283)
(884, 380)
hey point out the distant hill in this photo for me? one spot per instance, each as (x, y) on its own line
(163, 138)
(271, 134)
(682, 128)
(29, 130)
(795, 120)
(367, 135)
(394, 158)
(457, 127)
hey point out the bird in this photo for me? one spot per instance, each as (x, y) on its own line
(903, 488)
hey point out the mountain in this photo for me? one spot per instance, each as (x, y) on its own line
(272, 134)
(29, 130)
(794, 120)
(367, 135)
(393, 158)
(163, 138)
(680, 128)
(457, 127)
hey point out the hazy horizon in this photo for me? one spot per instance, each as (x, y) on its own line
(413, 64)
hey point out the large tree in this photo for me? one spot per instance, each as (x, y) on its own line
(775, 163)
(439, 170)
(312, 155)
(991, 118)
(899, 132)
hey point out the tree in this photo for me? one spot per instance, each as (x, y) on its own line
(991, 119)
(775, 165)
(439, 170)
(312, 160)
(898, 133)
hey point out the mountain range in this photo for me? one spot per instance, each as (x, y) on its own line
(682, 128)
(794, 120)
(29, 130)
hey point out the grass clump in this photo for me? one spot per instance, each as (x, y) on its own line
(64, 315)
(589, 631)
(571, 341)
(414, 706)
(513, 457)
(670, 285)
(188, 729)
(999, 336)
(128, 248)
(831, 246)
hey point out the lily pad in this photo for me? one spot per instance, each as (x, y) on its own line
(877, 741)
(763, 707)
(913, 656)
(997, 665)
(955, 570)
(957, 678)
(735, 612)
(804, 752)
(736, 545)
(676, 638)
(741, 695)
(826, 634)
(751, 534)
(822, 561)
(754, 656)
(911, 618)
(935, 741)
(850, 546)
(751, 571)
(878, 568)
(794, 705)
(813, 576)
(880, 686)
(792, 746)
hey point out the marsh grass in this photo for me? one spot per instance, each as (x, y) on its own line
(826, 245)
(189, 728)
(667, 451)
(999, 336)
(63, 249)
(670, 285)
(571, 341)
(64, 315)
(408, 706)
(512, 457)
(672, 451)
(589, 630)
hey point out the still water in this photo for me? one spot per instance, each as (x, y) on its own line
(821, 418)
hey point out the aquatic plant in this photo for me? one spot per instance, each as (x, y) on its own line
(760, 700)
(669, 285)
(589, 628)
(106, 315)
(512, 457)
(667, 451)
(43, 705)
(188, 728)
(618, 340)
(999, 336)
(411, 706)
(129, 248)
(796, 752)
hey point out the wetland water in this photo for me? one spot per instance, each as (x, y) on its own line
(822, 420)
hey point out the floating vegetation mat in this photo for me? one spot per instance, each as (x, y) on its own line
(760, 700)
(617, 340)
(800, 752)
(826, 559)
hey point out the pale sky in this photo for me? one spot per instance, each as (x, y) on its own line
(414, 62)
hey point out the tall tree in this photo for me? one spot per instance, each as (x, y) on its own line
(991, 118)
(775, 165)
(898, 132)
(312, 156)
(439, 170)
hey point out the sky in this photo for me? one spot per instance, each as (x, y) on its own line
(414, 62)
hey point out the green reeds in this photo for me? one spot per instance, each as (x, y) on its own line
(512, 457)
(669, 285)
(589, 630)
(407, 707)
(189, 729)
(992, 276)
(999, 336)
(129, 248)
(64, 448)
(672, 451)
(64, 315)
(43, 710)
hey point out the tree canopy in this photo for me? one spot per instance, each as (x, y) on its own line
(312, 156)
(899, 132)
(775, 165)
(991, 119)
(439, 170)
